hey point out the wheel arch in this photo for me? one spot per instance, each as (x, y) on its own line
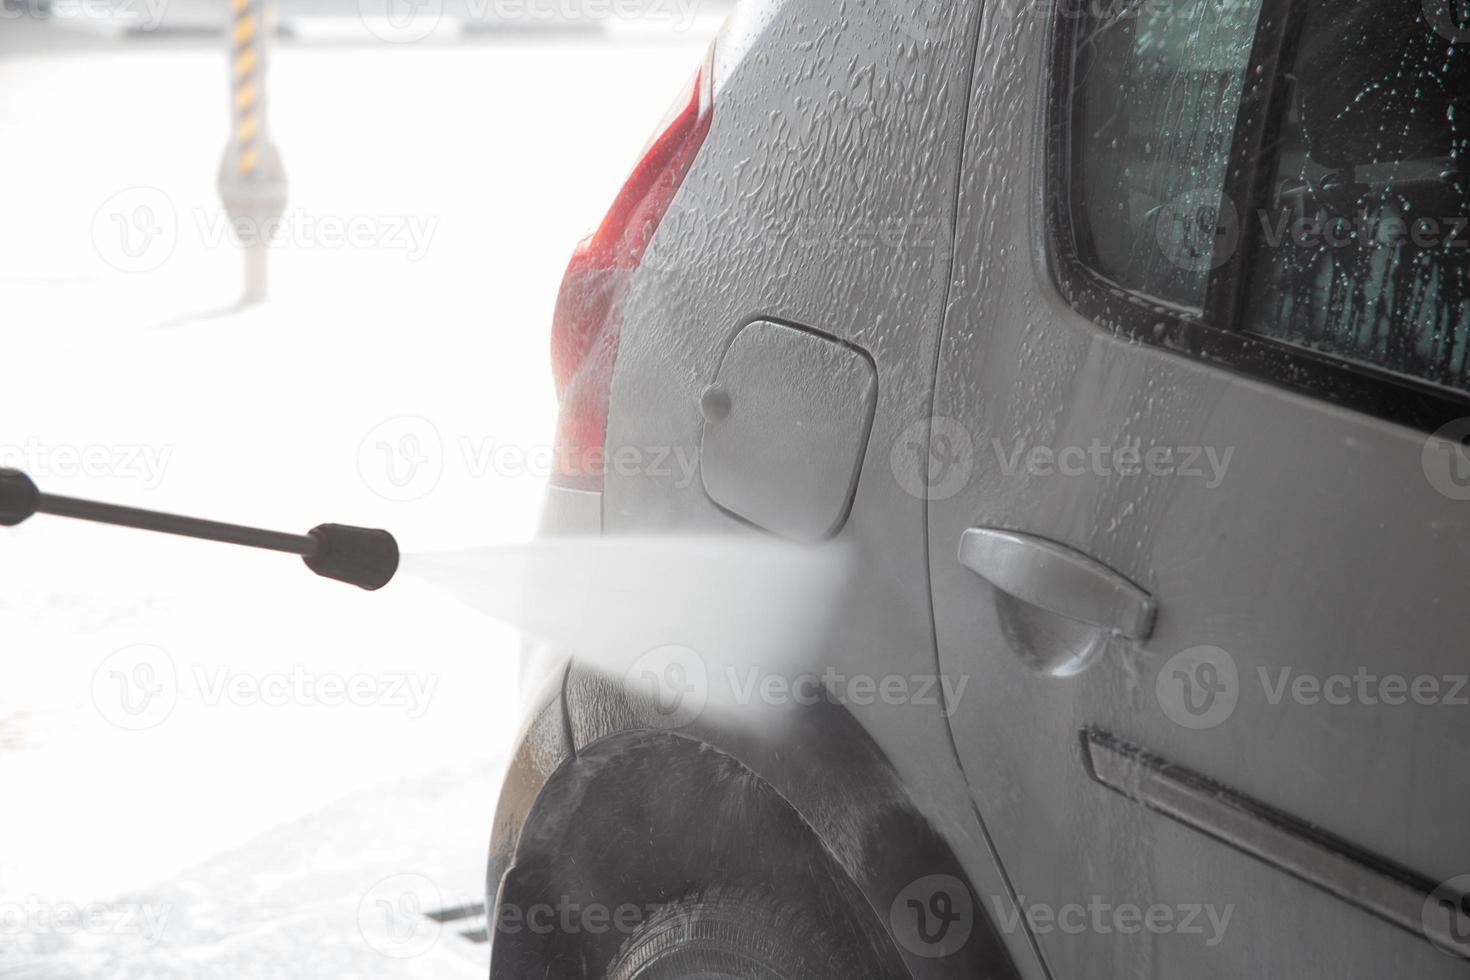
(610, 824)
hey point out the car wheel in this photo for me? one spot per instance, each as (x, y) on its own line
(735, 935)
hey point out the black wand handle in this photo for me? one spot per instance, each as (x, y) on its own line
(360, 556)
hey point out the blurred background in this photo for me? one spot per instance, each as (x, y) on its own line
(212, 762)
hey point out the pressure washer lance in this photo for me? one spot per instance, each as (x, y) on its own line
(359, 556)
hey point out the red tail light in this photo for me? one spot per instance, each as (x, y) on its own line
(586, 327)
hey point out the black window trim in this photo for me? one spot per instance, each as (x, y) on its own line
(1215, 337)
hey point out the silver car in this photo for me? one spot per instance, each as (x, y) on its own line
(1123, 347)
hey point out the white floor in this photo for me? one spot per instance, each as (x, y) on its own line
(256, 772)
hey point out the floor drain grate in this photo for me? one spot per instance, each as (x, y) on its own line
(469, 918)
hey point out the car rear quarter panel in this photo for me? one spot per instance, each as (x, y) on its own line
(823, 197)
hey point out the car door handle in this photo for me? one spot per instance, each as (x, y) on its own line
(1059, 580)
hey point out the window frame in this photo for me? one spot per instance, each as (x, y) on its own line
(1216, 336)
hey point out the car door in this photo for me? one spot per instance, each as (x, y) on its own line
(1198, 485)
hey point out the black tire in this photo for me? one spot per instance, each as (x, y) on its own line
(734, 934)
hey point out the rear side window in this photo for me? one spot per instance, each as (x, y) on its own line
(1282, 186)
(1153, 116)
(1364, 254)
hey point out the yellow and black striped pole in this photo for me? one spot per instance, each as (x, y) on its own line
(247, 83)
(252, 179)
